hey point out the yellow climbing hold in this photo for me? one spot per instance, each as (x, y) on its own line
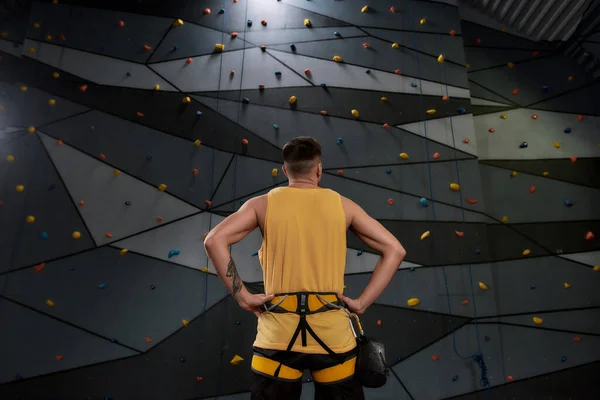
(30, 219)
(337, 58)
(185, 322)
(538, 320)
(236, 360)
(157, 87)
(307, 23)
(364, 9)
(413, 302)
(423, 21)
(596, 268)
(36, 25)
(49, 303)
(31, 129)
(76, 235)
(32, 49)
(20, 188)
(467, 66)
(52, 102)
(483, 286)
(10, 158)
(55, 75)
(441, 58)
(571, 77)
(292, 99)
(404, 156)
(384, 98)
(274, 172)
(556, 144)
(116, 172)
(504, 219)
(23, 88)
(503, 116)
(425, 235)
(197, 142)
(355, 113)
(4, 34)
(187, 100)
(204, 269)
(526, 252)
(162, 187)
(431, 111)
(219, 47)
(395, 46)
(123, 251)
(545, 173)
(514, 173)
(455, 187)
(566, 285)
(178, 22)
(510, 65)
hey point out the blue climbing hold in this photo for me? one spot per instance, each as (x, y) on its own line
(339, 140)
(461, 111)
(559, 251)
(277, 73)
(545, 89)
(182, 359)
(108, 398)
(102, 286)
(523, 145)
(18, 377)
(454, 378)
(114, 340)
(128, 73)
(477, 251)
(249, 22)
(275, 126)
(568, 203)
(563, 359)
(388, 171)
(152, 287)
(175, 47)
(222, 11)
(293, 47)
(198, 113)
(532, 287)
(368, 71)
(323, 85)
(424, 202)
(149, 157)
(337, 34)
(411, 269)
(44, 235)
(237, 322)
(567, 130)
(412, 84)
(246, 100)
(255, 254)
(359, 253)
(127, 203)
(174, 252)
(398, 359)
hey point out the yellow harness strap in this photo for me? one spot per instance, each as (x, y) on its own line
(336, 373)
(272, 368)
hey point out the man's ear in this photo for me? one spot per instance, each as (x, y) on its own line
(319, 170)
(285, 171)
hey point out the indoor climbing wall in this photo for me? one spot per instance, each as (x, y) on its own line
(130, 129)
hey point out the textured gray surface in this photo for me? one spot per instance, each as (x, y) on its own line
(592, 258)
(577, 321)
(297, 35)
(351, 76)
(97, 30)
(34, 340)
(382, 56)
(44, 197)
(96, 68)
(539, 134)
(127, 145)
(212, 72)
(511, 196)
(482, 102)
(105, 194)
(127, 309)
(14, 48)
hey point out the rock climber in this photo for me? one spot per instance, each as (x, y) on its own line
(302, 324)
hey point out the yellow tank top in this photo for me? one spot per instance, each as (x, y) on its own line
(304, 250)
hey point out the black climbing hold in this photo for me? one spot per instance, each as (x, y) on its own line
(127, 203)
(237, 322)
(559, 251)
(18, 377)
(461, 111)
(478, 252)
(175, 47)
(92, 128)
(487, 338)
(246, 100)
(114, 340)
(563, 359)
(152, 287)
(411, 269)
(293, 47)
(398, 358)
(222, 11)
(523, 145)
(128, 73)
(249, 22)
(545, 89)
(368, 71)
(532, 287)
(454, 378)
(567, 130)
(388, 171)
(359, 252)
(323, 85)
(182, 359)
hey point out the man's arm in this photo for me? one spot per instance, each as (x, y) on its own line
(230, 231)
(376, 236)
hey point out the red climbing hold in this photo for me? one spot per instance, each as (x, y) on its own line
(244, 141)
(324, 112)
(147, 47)
(533, 116)
(206, 11)
(195, 171)
(39, 267)
(62, 37)
(234, 35)
(531, 189)
(379, 322)
(397, 72)
(515, 92)
(108, 235)
(199, 379)
(139, 114)
(102, 156)
(366, 45)
(435, 358)
(393, 9)
(340, 172)
(386, 126)
(208, 203)
(307, 72)
(452, 32)
(59, 142)
(459, 233)
(189, 60)
(510, 378)
(444, 98)
(465, 302)
(466, 141)
(148, 340)
(158, 219)
(535, 53)
(121, 24)
(390, 201)
(580, 117)
(59, 358)
(471, 201)
(577, 339)
(264, 22)
(436, 155)
(83, 88)
(573, 159)
(491, 130)
(478, 41)
(590, 236)
(81, 203)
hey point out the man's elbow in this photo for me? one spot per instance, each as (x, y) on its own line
(210, 242)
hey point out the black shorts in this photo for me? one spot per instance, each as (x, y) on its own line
(268, 387)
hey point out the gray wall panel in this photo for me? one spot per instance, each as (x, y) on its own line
(577, 101)
(579, 321)
(482, 58)
(592, 258)
(297, 35)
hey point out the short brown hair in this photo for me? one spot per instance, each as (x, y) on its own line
(300, 154)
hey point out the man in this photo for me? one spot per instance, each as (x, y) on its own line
(301, 320)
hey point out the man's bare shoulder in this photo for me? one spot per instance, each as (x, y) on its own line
(258, 203)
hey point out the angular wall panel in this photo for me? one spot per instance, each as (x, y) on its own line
(540, 134)
(511, 196)
(351, 76)
(383, 57)
(490, 33)
(579, 321)
(456, 132)
(97, 68)
(213, 72)
(358, 262)
(592, 258)
(82, 25)
(142, 297)
(33, 342)
(483, 58)
(128, 146)
(267, 37)
(44, 197)
(106, 195)
(14, 48)
(485, 93)
(482, 102)
(562, 236)
(578, 101)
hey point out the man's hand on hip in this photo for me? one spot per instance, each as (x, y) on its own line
(253, 302)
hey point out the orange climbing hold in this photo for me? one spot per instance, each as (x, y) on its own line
(139, 114)
(444, 98)
(436, 155)
(206, 11)
(39, 267)
(452, 32)
(59, 358)
(234, 35)
(515, 92)
(579, 117)
(577, 339)
(390, 201)
(573, 159)
(147, 47)
(491, 130)
(195, 171)
(307, 71)
(590, 236)
(465, 302)
(397, 72)
(121, 24)
(189, 60)
(102, 156)
(466, 141)
(533, 116)
(386, 126)
(393, 9)
(366, 45)
(208, 203)
(244, 141)
(159, 219)
(83, 88)
(532, 189)
(264, 22)
(470, 200)
(148, 340)
(199, 378)
(435, 357)
(108, 235)
(379, 322)
(510, 378)
(340, 172)
(459, 234)
(81, 203)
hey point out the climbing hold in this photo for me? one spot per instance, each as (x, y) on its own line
(162, 187)
(206, 11)
(32, 49)
(503, 116)
(523, 145)
(483, 286)
(395, 46)
(364, 9)
(10, 158)
(157, 87)
(182, 359)
(159, 219)
(30, 219)
(563, 359)
(31, 129)
(413, 302)
(379, 323)
(337, 59)
(147, 47)
(526, 252)
(293, 47)
(249, 22)
(589, 236)
(423, 200)
(566, 285)
(152, 287)
(532, 189)
(567, 130)
(274, 172)
(510, 65)
(173, 252)
(444, 98)
(208, 203)
(117, 172)
(510, 378)
(355, 113)
(204, 269)
(178, 22)
(568, 203)
(139, 114)
(55, 75)
(423, 21)
(467, 66)
(404, 156)
(425, 235)
(545, 173)
(123, 251)
(390, 202)
(431, 111)
(504, 219)
(39, 267)
(412, 84)
(573, 159)
(49, 303)
(263, 22)
(466, 140)
(246, 100)
(359, 253)
(459, 234)
(533, 116)
(108, 235)
(440, 58)
(148, 340)
(455, 187)
(515, 92)
(234, 35)
(384, 99)
(236, 360)
(570, 77)
(556, 144)
(185, 322)
(579, 117)
(197, 142)
(340, 172)
(175, 47)
(337, 34)
(454, 378)
(388, 171)
(263, 47)
(436, 155)
(471, 201)
(199, 378)
(452, 32)
(292, 100)
(83, 88)
(577, 338)
(52, 102)
(461, 111)
(514, 173)
(397, 72)
(386, 126)
(307, 23)
(491, 130)
(76, 235)
(186, 100)
(366, 46)
(545, 89)
(307, 72)
(339, 141)
(538, 320)
(596, 268)
(195, 171)
(219, 47)
(102, 286)
(435, 357)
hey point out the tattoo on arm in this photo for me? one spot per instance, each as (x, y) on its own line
(235, 277)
